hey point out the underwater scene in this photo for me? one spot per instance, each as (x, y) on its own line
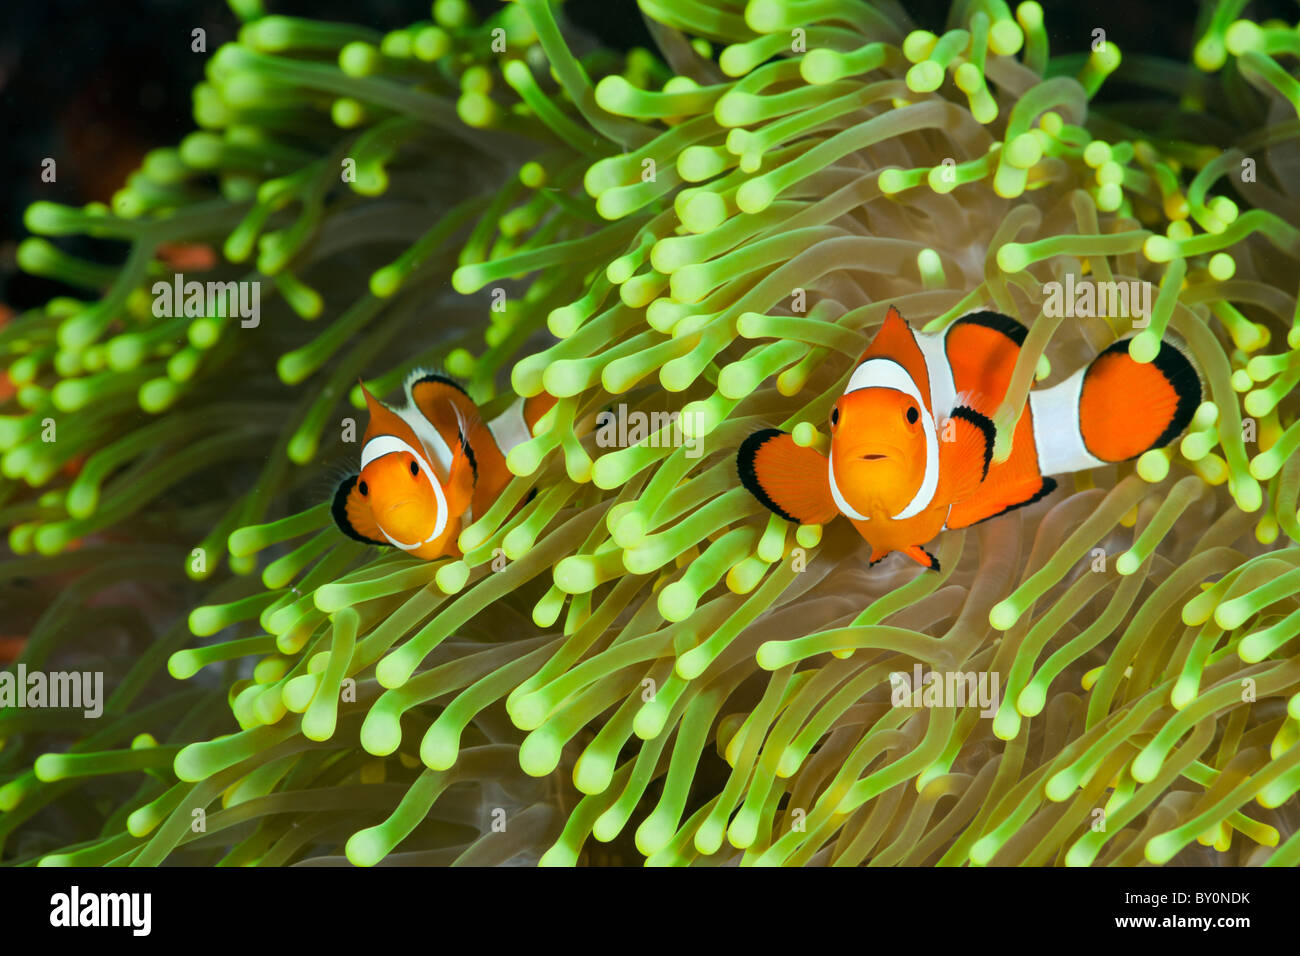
(656, 432)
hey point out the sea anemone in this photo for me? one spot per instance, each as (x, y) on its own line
(639, 654)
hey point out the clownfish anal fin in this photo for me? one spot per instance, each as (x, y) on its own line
(352, 514)
(998, 498)
(922, 557)
(965, 453)
(789, 479)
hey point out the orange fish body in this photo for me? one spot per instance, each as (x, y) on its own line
(429, 467)
(11, 648)
(912, 438)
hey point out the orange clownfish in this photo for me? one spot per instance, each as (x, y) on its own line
(430, 467)
(911, 450)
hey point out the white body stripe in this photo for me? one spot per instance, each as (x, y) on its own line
(886, 373)
(509, 428)
(1056, 428)
(382, 445)
(436, 447)
(943, 391)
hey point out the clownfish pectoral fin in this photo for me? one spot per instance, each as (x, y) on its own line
(787, 478)
(463, 474)
(965, 453)
(457, 420)
(922, 557)
(352, 514)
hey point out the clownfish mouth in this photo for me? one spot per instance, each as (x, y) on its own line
(873, 457)
(398, 507)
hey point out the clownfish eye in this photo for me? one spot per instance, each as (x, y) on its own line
(415, 469)
(363, 489)
(912, 414)
(835, 417)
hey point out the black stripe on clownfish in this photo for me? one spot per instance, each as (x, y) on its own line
(339, 506)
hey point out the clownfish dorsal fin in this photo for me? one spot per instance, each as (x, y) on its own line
(424, 384)
(439, 399)
(352, 514)
(965, 454)
(383, 420)
(893, 337)
(895, 341)
(789, 479)
(451, 413)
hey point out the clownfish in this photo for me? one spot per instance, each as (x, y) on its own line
(911, 450)
(430, 467)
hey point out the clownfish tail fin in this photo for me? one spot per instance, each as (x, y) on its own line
(1127, 407)
(786, 478)
(352, 514)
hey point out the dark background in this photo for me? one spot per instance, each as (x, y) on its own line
(97, 83)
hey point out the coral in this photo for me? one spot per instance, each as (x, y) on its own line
(640, 655)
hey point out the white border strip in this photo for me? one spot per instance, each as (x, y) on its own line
(1057, 434)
